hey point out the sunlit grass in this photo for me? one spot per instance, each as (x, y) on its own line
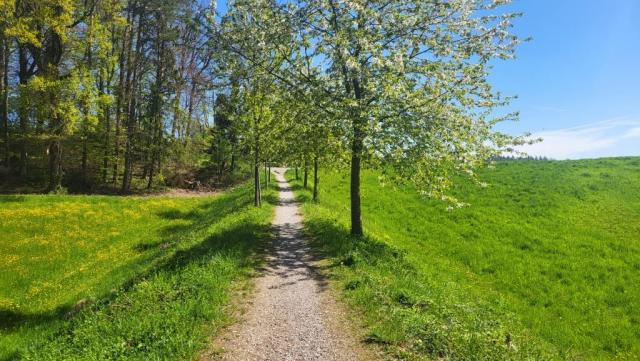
(121, 277)
(545, 263)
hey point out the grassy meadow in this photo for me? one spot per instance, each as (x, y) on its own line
(543, 264)
(98, 277)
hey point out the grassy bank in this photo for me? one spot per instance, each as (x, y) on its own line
(84, 277)
(545, 263)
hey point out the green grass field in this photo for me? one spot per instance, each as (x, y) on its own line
(543, 264)
(97, 277)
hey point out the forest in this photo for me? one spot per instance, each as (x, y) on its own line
(102, 96)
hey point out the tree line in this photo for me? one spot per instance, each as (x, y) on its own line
(97, 91)
(144, 86)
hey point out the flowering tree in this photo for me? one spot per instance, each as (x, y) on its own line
(410, 80)
(249, 27)
(405, 79)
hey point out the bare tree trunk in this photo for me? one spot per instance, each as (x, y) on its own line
(256, 173)
(55, 165)
(151, 173)
(85, 156)
(128, 155)
(315, 178)
(356, 156)
(85, 130)
(192, 94)
(4, 98)
(232, 167)
(49, 62)
(23, 78)
(155, 155)
(132, 111)
(219, 156)
(176, 112)
(105, 87)
(306, 173)
(157, 103)
(266, 178)
(55, 146)
(123, 78)
(297, 173)
(356, 212)
(107, 136)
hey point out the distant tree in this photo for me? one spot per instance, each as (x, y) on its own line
(223, 143)
(259, 92)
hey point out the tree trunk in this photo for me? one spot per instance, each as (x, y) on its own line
(124, 76)
(119, 104)
(176, 112)
(315, 178)
(85, 130)
(306, 173)
(107, 143)
(4, 99)
(23, 114)
(190, 106)
(84, 161)
(132, 105)
(232, 167)
(219, 156)
(128, 155)
(356, 212)
(49, 63)
(256, 173)
(266, 178)
(107, 134)
(106, 88)
(156, 159)
(297, 174)
(151, 172)
(356, 157)
(55, 165)
(157, 103)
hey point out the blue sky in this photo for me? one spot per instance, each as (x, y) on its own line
(577, 80)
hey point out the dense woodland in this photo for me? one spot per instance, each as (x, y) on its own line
(123, 95)
(104, 93)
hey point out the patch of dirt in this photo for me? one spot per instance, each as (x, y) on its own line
(180, 193)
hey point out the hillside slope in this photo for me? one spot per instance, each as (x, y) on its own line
(545, 262)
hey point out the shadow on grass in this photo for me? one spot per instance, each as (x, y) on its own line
(402, 307)
(239, 236)
(197, 221)
(10, 357)
(244, 240)
(10, 319)
(11, 199)
(335, 242)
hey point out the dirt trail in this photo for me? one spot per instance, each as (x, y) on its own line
(292, 316)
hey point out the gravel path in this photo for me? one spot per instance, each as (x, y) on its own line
(292, 315)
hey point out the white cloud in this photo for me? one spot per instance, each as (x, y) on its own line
(633, 133)
(614, 137)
